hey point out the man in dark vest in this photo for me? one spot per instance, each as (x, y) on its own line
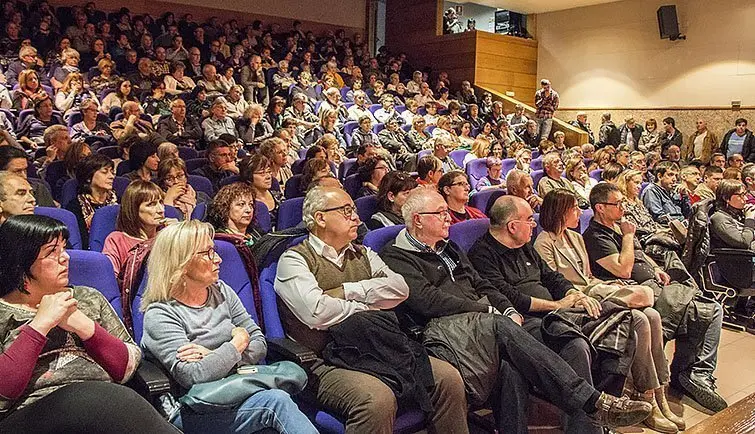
(327, 279)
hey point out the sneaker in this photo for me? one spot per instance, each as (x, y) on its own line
(703, 392)
(619, 412)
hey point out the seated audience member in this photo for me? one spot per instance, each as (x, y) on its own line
(327, 125)
(615, 253)
(630, 183)
(314, 273)
(177, 83)
(123, 93)
(178, 128)
(454, 188)
(663, 199)
(16, 196)
(196, 327)
(313, 170)
(371, 173)
(218, 123)
(363, 153)
(72, 94)
(143, 161)
(56, 141)
(387, 111)
(253, 127)
(15, 161)
(332, 101)
(701, 144)
(564, 252)
(333, 152)
(174, 181)
(107, 79)
(480, 149)
(256, 170)
(235, 103)
(554, 168)
(452, 302)
(397, 142)
(748, 179)
(505, 257)
(445, 131)
(221, 163)
(300, 113)
(736, 161)
(582, 123)
(611, 172)
(530, 135)
(418, 135)
(274, 112)
(392, 193)
(706, 190)
(31, 131)
(442, 147)
(493, 178)
(431, 115)
(91, 129)
(520, 184)
(360, 108)
(30, 89)
(732, 225)
(523, 159)
(465, 135)
(232, 212)
(739, 140)
(56, 322)
(690, 178)
(429, 170)
(576, 173)
(156, 103)
(364, 135)
(95, 175)
(276, 151)
(140, 216)
(132, 125)
(411, 111)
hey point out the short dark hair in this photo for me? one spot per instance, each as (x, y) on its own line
(366, 169)
(21, 239)
(726, 189)
(426, 164)
(611, 171)
(8, 153)
(394, 182)
(712, 170)
(600, 193)
(670, 121)
(555, 205)
(448, 179)
(313, 151)
(215, 144)
(139, 153)
(740, 121)
(86, 169)
(251, 164)
(664, 166)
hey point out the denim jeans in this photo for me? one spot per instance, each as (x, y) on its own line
(544, 128)
(695, 357)
(267, 410)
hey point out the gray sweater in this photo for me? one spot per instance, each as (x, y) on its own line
(170, 325)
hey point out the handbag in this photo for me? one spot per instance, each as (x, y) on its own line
(231, 391)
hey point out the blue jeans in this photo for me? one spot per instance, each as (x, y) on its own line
(699, 358)
(267, 410)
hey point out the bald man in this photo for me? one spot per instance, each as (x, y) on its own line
(701, 144)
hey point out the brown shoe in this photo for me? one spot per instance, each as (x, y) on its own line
(657, 421)
(660, 398)
(618, 412)
(679, 231)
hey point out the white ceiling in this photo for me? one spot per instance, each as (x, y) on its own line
(539, 6)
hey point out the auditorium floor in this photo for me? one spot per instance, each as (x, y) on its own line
(735, 374)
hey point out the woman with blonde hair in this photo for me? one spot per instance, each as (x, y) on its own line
(72, 94)
(418, 135)
(70, 59)
(576, 173)
(328, 121)
(196, 327)
(480, 149)
(29, 90)
(630, 184)
(443, 129)
(106, 79)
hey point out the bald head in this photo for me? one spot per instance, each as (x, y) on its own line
(505, 209)
(519, 183)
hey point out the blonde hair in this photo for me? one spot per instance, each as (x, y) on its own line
(622, 181)
(481, 147)
(172, 251)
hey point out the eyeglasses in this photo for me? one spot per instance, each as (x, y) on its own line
(461, 183)
(530, 221)
(382, 168)
(348, 211)
(264, 172)
(226, 155)
(175, 178)
(209, 253)
(617, 204)
(443, 214)
(742, 194)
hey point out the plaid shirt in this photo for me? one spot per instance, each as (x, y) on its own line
(546, 105)
(441, 252)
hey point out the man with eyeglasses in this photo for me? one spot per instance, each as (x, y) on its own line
(695, 322)
(15, 161)
(221, 163)
(27, 59)
(554, 169)
(328, 280)
(469, 322)
(441, 150)
(505, 257)
(179, 128)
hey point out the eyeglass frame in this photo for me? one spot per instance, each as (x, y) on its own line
(342, 210)
(209, 253)
(439, 214)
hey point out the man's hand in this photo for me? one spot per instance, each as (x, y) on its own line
(662, 277)
(535, 201)
(627, 228)
(591, 305)
(230, 166)
(570, 300)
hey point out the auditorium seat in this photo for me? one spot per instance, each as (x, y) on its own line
(262, 216)
(379, 238)
(476, 169)
(536, 163)
(200, 211)
(584, 220)
(289, 213)
(103, 223)
(536, 176)
(366, 207)
(482, 200)
(597, 174)
(348, 130)
(200, 183)
(507, 164)
(111, 152)
(187, 153)
(458, 156)
(352, 184)
(67, 218)
(466, 233)
(293, 187)
(195, 163)
(344, 167)
(93, 269)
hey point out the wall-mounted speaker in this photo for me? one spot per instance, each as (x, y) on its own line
(668, 23)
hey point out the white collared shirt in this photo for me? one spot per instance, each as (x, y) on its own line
(298, 288)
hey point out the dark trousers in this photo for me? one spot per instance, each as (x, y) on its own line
(576, 353)
(527, 363)
(91, 407)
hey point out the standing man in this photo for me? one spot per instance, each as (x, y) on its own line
(739, 140)
(546, 102)
(701, 144)
(630, 133)
(671, 136)
(583, 125)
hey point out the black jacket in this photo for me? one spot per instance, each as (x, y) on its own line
(192, 132)
(434, 291)
(747, 149)
(519, 274)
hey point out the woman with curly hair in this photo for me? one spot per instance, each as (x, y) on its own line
(232, 212)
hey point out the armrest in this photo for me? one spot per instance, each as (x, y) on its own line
(735, 266)
(149, 380)
(744, 253)
(287, 349)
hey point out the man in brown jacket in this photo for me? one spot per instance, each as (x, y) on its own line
(701, 144)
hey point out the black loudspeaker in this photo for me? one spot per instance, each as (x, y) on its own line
(668, 23)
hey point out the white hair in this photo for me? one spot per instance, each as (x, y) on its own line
(315, 200)
(415, 202)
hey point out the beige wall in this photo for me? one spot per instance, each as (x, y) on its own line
(611, 56)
